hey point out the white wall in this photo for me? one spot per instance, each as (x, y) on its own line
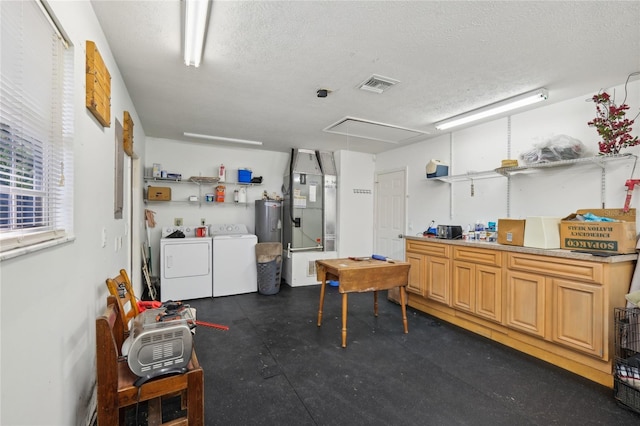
(548, 192)
(204, 159)
(355, 208)
(50, 299)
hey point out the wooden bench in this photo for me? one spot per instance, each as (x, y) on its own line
(116, 389)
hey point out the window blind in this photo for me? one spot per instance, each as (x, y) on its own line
(36, 128)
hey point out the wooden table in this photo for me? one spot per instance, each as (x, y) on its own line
(361, 276)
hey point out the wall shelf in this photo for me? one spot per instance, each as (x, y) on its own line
(509, 171)
(199, 181)
(487, 174)
(167, 180)
(198, 203)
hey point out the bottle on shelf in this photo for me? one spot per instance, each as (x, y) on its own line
(220, 193)
(492, 232)
(221, 173)
(481, 233)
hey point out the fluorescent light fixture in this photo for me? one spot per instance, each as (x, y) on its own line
(196, 13)
(220, 138)
(494, 109)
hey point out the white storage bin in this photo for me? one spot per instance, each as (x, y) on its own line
(542, 232)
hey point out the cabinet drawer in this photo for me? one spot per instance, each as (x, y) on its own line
(432, 249)
(474, 255)
(558, 267)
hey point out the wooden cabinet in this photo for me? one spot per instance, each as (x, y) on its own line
(552, 304)
(417, 283)
(578, 309)
(477, 282)
(526, 302)
(438, 286)
(558, 299)
(430, 270)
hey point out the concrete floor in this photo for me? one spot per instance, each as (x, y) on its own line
(274, 366)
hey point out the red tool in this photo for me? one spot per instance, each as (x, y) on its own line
(212, 325)
(143, 305)
(630, 184)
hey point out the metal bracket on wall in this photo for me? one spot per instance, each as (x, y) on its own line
(508, 176)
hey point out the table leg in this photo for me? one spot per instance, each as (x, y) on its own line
(403, 296)
(344, 320)
(323, 281)
(375, 302)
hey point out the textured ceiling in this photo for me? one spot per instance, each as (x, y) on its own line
(265, 60)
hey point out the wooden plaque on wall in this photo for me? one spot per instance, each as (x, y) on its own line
(98, 86)
(127, 134)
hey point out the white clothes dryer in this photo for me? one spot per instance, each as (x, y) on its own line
(185, 264)
(234, 260)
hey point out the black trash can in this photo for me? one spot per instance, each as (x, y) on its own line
(269, 267)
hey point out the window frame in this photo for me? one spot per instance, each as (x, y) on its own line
(35, 134)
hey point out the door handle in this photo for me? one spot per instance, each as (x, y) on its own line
(400, 236)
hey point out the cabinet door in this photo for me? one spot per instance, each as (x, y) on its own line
(526, 302)
(416, 282)
(489, 292)
(438, 286)
(578, 309)
(463, 292)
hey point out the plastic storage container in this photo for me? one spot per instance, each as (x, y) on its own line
(542, 232)
(269, 266)
(244, 175)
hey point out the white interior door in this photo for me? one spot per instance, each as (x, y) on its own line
(390, 213)
(390, 218)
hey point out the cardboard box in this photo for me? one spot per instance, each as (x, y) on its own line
(159, 193)
(511, 231)
(607, 237)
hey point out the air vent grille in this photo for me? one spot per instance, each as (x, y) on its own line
(378, 83)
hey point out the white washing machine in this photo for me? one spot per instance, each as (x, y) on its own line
(234, 260)
(185, 264)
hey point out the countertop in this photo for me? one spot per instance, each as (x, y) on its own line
(567, 254)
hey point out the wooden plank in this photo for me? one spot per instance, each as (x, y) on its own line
(127, 133)
(98, 85)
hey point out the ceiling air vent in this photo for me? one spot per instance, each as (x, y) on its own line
(377, 83)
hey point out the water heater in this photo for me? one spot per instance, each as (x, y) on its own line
(269, 221)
